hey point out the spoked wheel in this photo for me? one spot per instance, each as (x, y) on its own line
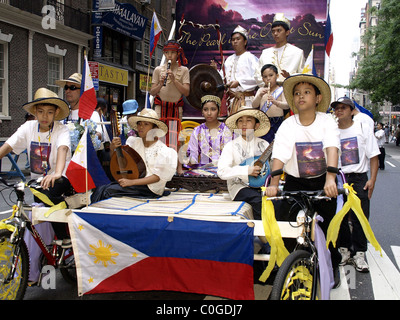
(68, 268)
(297, 278)
(15, 289)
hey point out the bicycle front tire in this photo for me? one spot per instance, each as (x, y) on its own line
(297, 278)
(15, 289)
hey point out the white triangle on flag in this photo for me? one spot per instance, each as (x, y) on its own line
(98, 255)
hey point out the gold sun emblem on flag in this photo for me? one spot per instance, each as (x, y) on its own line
(103, 254)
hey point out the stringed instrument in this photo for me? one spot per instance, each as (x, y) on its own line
(261, 161)
(125, 162)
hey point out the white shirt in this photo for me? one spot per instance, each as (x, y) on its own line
(365, 119)
(380, 137)
(358, 145)
(27, 137)
(235, 153)
(302, 149)
(159, 160)
(288, 57)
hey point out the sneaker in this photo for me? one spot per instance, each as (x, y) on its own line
(359, 262)
(345, 253)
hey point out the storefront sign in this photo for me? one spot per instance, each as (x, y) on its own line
(102, 72)
(144, 82)
(113, 75)
(124, 19)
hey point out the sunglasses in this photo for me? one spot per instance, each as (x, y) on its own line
(73, 87)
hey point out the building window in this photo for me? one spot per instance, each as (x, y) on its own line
(139, 51)
(53, 72)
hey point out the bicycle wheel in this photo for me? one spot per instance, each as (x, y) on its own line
(297, 278)
(15, 289)
(68, 268)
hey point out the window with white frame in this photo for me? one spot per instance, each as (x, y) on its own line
(53, 72)
(55, 57)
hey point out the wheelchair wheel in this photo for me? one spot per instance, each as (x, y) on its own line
(15, 289)
(297, 278)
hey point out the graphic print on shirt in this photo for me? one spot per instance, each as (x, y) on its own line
(349, 154)
(39, 157)
(310, 159)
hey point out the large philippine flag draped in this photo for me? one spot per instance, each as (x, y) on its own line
(116, 253)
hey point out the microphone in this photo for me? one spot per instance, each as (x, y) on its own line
(166, 76)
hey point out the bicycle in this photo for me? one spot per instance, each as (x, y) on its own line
(14, 256)
(298, 276)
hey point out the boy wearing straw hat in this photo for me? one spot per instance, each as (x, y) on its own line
(248, 125)
(307, 148)
(47, 142)
(160, 160)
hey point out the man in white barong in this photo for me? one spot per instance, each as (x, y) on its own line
(239, 71)
(286, 57)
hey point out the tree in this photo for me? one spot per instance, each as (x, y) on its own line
(379, 68)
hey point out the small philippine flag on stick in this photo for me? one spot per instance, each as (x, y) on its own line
(88, 100)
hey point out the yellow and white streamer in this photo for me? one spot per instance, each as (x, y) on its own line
(274, 237)
(45, 199)
(354, 203)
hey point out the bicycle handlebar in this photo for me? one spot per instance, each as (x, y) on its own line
(316, 195)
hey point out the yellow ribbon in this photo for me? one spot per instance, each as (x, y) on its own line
(274, 237)
(45, 199)
(7, 226)
(354, 203)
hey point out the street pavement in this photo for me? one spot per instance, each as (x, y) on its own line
(381, 283)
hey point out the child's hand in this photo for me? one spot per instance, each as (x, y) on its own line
(49, 180)
(254, 171)
(330, 189)
(126, 182)
(271, 191)
(116, 142)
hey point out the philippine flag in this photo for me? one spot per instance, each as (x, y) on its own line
(309, 66)
(123, 253)
(328, 36)
(76, 171)
(88, 100)
(155, 33)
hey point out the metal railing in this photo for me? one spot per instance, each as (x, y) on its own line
(75, 18)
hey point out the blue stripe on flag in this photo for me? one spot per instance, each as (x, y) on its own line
(94, 167)
(181, 238)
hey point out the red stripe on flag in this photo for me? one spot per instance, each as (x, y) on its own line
(76, 176)
(223, 279)
(329, 45)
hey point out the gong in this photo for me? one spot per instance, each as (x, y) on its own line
(204, 80)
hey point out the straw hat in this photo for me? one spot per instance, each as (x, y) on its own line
(291, 82)
(75, 78)
(148, 115)
(46, 96)
(248, 111)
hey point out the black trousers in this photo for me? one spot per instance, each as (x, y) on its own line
(355, 239)
(113, 189)
(253, 197)
(56, 195)
(326, 209)
(381, 158)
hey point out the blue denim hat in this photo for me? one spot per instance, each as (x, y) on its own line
(130, 106)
